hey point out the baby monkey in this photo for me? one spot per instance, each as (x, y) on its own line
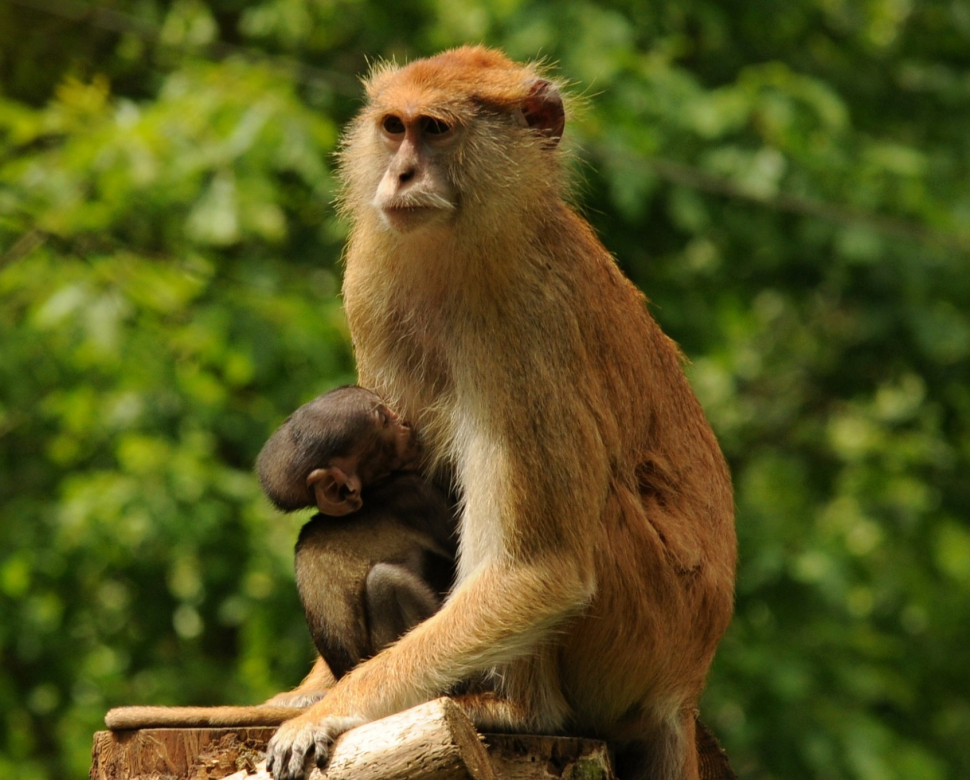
(379, 558)
(376, 561)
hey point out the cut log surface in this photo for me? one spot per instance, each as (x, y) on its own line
(526, 757)
(434, 741)
(177, 754)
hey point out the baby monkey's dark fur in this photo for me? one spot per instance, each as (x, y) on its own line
(379, 558)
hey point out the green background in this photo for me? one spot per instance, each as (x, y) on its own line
(789, 182)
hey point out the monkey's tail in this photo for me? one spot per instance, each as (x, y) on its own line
(121, 718)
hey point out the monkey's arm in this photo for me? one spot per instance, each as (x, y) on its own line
(318, 681)
(496, 615)
(526, 565)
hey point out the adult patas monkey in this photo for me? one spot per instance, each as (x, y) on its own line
(597, 550)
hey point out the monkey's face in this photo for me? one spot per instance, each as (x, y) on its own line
(415, 190)
(394, 447)
(459, 147)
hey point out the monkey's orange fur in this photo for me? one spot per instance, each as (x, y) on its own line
(597, 547)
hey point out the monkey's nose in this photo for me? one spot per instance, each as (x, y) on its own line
(405, 176)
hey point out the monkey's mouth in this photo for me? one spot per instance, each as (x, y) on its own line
(403, 219)
(411, 210)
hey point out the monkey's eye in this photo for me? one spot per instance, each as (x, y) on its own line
(433, 126)
(393, 125)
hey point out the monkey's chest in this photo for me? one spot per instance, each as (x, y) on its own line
(438, 359)
(403, 344)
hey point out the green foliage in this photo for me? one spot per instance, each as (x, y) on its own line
(788, 182)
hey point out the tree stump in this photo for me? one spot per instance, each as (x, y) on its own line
(178, 754)
(433, 741)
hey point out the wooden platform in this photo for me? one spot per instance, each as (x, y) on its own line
(431, 742)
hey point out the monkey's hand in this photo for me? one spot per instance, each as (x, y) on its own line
(305, 739)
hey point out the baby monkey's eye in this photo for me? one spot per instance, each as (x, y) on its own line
(393, 125)
(433, 126)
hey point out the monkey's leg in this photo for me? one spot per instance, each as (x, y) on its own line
(505, 697)
(490, 712)
(666, 749)
(330, 569)
(313, 688)
(397, 600)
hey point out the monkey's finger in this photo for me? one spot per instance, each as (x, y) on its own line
(277, 757)
(272, 764)
(300, 754)
(284, 756)
(322, 742)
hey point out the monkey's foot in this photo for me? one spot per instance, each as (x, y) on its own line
(304, 740)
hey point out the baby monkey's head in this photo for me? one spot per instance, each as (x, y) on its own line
(329, 449)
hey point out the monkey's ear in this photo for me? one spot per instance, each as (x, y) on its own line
(337, 493)
(543, 110)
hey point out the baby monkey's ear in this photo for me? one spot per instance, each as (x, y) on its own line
(337, 493)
